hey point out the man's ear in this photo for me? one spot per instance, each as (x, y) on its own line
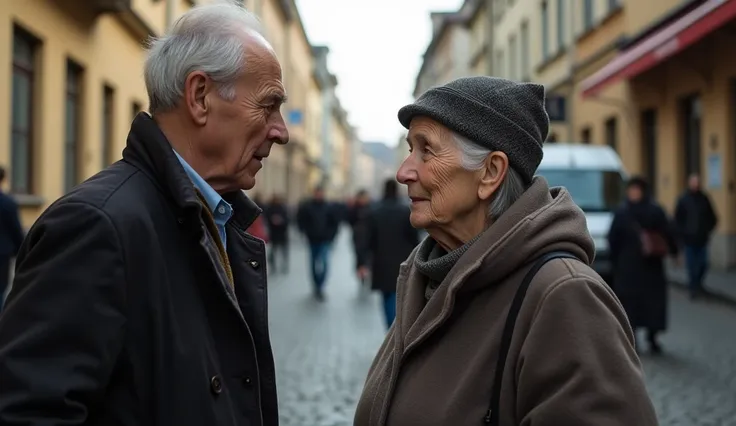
(492, 174)
(196, 88)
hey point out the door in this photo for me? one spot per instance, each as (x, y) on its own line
(649, 147)
(692, 116)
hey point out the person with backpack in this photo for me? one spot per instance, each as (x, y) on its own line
(639, 240)
(500, 318)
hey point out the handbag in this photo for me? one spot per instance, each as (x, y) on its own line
(653, 243)
(492, 416)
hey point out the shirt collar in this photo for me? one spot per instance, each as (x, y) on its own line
(218, 206)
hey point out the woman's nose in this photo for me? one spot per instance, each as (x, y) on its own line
(406, 172)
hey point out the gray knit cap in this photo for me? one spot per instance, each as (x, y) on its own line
(499, 114)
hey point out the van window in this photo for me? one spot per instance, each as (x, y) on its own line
(592, 190)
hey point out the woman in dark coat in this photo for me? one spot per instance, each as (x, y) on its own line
(640, 280)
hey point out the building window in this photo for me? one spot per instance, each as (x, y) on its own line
(612, 133)
(587, 14)
(135, 109)
(692, 116)
(561, 23)
(586, 136)
(72, 124)
(649, 146)
(545, 30)
(513, 64)
(525, 68)
(108, 114)
(22, 112)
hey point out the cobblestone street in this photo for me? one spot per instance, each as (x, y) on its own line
(323, 350)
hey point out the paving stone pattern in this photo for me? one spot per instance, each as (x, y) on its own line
(323, 350)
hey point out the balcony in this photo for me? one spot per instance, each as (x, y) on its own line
(100, 7)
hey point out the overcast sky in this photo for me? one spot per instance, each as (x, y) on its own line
(376, 49)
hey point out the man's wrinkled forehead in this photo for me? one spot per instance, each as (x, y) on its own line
(260, 40)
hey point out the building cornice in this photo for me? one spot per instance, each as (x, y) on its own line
(448, 19)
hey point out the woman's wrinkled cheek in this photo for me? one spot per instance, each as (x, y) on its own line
(442, 193)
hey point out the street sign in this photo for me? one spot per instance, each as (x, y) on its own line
(295, 117)
(556, 108)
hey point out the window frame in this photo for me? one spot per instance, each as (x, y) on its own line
(29, 71)
(108, 123)
(588, 14)
(72, 147)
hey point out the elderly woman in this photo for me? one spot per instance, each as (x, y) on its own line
(500, 319)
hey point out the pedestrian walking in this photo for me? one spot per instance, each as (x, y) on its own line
(11, 236)
(639, 240)
(277, 219)
(390, 240)
(319, 221)
(500, 318)
(358, 219)
(139, 299)
(696, 220)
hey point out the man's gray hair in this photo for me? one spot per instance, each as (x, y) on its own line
(208, 38)
(512, 187)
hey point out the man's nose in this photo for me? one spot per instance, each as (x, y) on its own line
(278, 132)
(406, 172)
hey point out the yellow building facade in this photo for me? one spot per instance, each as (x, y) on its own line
(73, 81)
(656, 81)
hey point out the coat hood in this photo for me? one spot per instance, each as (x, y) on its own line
(542, 220)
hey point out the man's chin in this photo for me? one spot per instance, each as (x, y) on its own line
(248, 183)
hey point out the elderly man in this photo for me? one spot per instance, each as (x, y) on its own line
(138, 298)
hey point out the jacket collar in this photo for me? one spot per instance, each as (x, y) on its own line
(148, 150)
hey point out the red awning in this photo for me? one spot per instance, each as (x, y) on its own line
(662, 44)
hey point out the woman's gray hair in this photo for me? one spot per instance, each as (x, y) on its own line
(208, 38)
(512, 187)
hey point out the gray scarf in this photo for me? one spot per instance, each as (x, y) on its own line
(435, 263)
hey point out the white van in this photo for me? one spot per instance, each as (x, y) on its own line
(596, 179)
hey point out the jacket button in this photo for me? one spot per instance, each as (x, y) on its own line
(216, 385)
(248, 381)
(180, 220)
(254, 264)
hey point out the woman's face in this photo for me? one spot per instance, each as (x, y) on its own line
(441, 190)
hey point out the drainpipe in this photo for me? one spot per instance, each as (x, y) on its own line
(169, 13)
(490, 30)
(571, 53)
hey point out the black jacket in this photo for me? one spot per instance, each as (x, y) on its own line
(119, 314)
(640, 282)
(11, 232)
(695, 218)
(319, 220)
(277, 220)
(391, 239)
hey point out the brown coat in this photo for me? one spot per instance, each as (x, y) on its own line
(572, 359)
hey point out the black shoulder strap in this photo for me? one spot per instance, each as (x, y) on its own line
(492, 417)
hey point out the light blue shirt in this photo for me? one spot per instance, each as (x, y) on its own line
(221, 210)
